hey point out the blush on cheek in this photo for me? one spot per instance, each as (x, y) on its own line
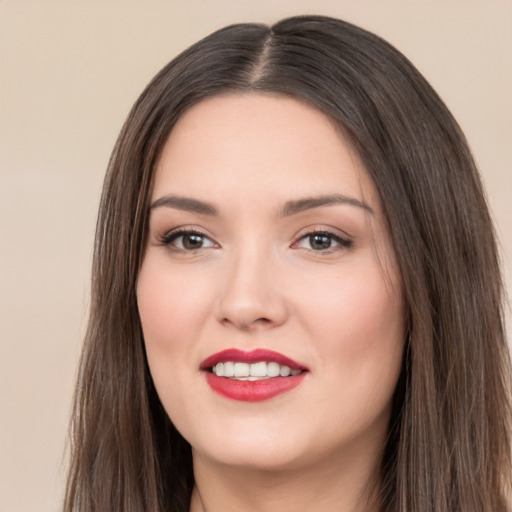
(363, 319)
(170, 304)
(349, 308)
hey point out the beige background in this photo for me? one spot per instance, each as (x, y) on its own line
(70, 71)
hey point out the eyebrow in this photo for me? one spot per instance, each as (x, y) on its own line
(300, 205)
(290, 208)
(185, 203)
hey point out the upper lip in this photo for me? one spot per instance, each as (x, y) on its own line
(251, 356)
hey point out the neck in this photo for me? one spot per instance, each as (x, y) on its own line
(348, 485)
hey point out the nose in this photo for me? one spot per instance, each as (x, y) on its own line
(251, 297)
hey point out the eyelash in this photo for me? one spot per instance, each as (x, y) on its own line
(343, 243)
(170, 238)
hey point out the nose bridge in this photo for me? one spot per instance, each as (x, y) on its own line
(250, 295)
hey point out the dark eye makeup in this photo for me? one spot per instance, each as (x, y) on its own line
(322, 241)
(187, 240)
(319, 241)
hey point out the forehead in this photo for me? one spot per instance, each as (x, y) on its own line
(258, 144)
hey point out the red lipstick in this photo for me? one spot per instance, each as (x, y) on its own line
(252, 390)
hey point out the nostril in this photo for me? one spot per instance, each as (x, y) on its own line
(247, 324)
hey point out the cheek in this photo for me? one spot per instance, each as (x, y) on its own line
(358, 322)
(172, 313)
(357, 305)
(359, 325)
(170, 305)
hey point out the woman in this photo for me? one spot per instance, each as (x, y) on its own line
(296, 295)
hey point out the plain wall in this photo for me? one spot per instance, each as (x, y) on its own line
(69, 72)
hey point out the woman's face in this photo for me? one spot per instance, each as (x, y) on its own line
(268, 255)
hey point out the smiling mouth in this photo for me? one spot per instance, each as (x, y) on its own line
(253, 371)
(252, 376)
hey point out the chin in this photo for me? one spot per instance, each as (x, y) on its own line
(246, 443)
(250, 457)
(255, 447)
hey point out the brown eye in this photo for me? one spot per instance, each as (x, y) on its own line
(320, 242)
(188, 241)
(192, 241)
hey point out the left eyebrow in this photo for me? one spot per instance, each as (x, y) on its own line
(187, 204)
(300, 205)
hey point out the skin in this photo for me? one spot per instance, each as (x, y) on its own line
(256, 279)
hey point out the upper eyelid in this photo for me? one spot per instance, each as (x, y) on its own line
(184, 230)
(322, 228)
(167, 237)
(342, 240)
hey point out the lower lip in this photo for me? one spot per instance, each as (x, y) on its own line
(253, 390)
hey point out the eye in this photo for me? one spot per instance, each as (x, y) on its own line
(322, 241)
(188, 240)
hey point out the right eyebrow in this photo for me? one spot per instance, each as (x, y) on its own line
(185, 203)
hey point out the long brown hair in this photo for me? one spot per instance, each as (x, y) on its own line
(448, 447)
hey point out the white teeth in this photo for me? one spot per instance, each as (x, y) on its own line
(272, 369)
(229, 369)
(219, 369)
(284, 371)
(254, 371)
(258, 369)
(241, 370)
